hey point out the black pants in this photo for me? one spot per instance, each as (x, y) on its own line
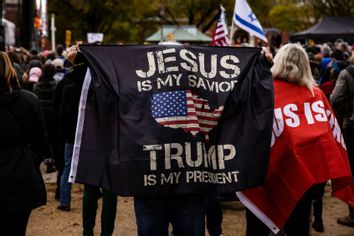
(298, 222)
(213, 214)
(14, 223)
(89, 208)
(318, 202)
(348, 135)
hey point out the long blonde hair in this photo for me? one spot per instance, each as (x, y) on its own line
(291, 63)
(8, 76)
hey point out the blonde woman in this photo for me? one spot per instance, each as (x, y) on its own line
(22, 146)
(304, 153)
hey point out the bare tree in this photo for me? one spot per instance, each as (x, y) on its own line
(333, 8)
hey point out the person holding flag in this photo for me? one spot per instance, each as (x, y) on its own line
(307, 149)
(245, 19)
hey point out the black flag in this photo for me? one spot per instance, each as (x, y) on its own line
(173, 119)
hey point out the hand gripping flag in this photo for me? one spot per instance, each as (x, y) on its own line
(247, 20)
(173, 119)
(307, 149)
(221, 33)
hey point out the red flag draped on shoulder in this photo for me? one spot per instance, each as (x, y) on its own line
(307, 149)
(220, 36)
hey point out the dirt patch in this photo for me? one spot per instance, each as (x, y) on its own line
(48, 221)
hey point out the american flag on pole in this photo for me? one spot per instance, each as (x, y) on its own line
(182, 109)
(220, 37)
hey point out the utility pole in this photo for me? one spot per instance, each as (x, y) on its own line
(27, 23)
(162, 15)
(1, 8)
(53, 29)
(2, 27)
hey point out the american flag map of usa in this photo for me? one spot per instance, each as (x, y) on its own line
(182, 109)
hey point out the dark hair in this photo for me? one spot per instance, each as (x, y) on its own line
(34, 52)
(51, 56)
(34, 63)
(338, 55)
(48, 72)
(60, 49)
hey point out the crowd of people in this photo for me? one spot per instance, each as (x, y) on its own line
(332, 67)
(39, 100)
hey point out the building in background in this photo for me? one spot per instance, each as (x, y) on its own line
(183, 34)
(21, 13)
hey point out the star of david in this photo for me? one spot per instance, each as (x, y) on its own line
(252, 17)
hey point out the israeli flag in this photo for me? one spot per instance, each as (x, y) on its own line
(247, 20)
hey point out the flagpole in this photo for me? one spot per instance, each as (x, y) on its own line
(232, 27)
(232, 32)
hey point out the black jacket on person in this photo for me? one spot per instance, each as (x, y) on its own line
(69, 110)
(58, 95)
(70, 98)
(23, 145)
(45, 91)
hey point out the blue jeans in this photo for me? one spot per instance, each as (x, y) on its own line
(65, 186)
(186, 213)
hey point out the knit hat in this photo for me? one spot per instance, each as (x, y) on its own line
(58, 63)
(34, 74)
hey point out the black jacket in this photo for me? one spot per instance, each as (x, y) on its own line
(45, 91)
(23, 145)
(70, 100)
(69, 110)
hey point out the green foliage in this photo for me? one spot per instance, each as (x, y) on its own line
(198, 12)
(291, 17)
(131, 21)
(261, 10)
(117, 19)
